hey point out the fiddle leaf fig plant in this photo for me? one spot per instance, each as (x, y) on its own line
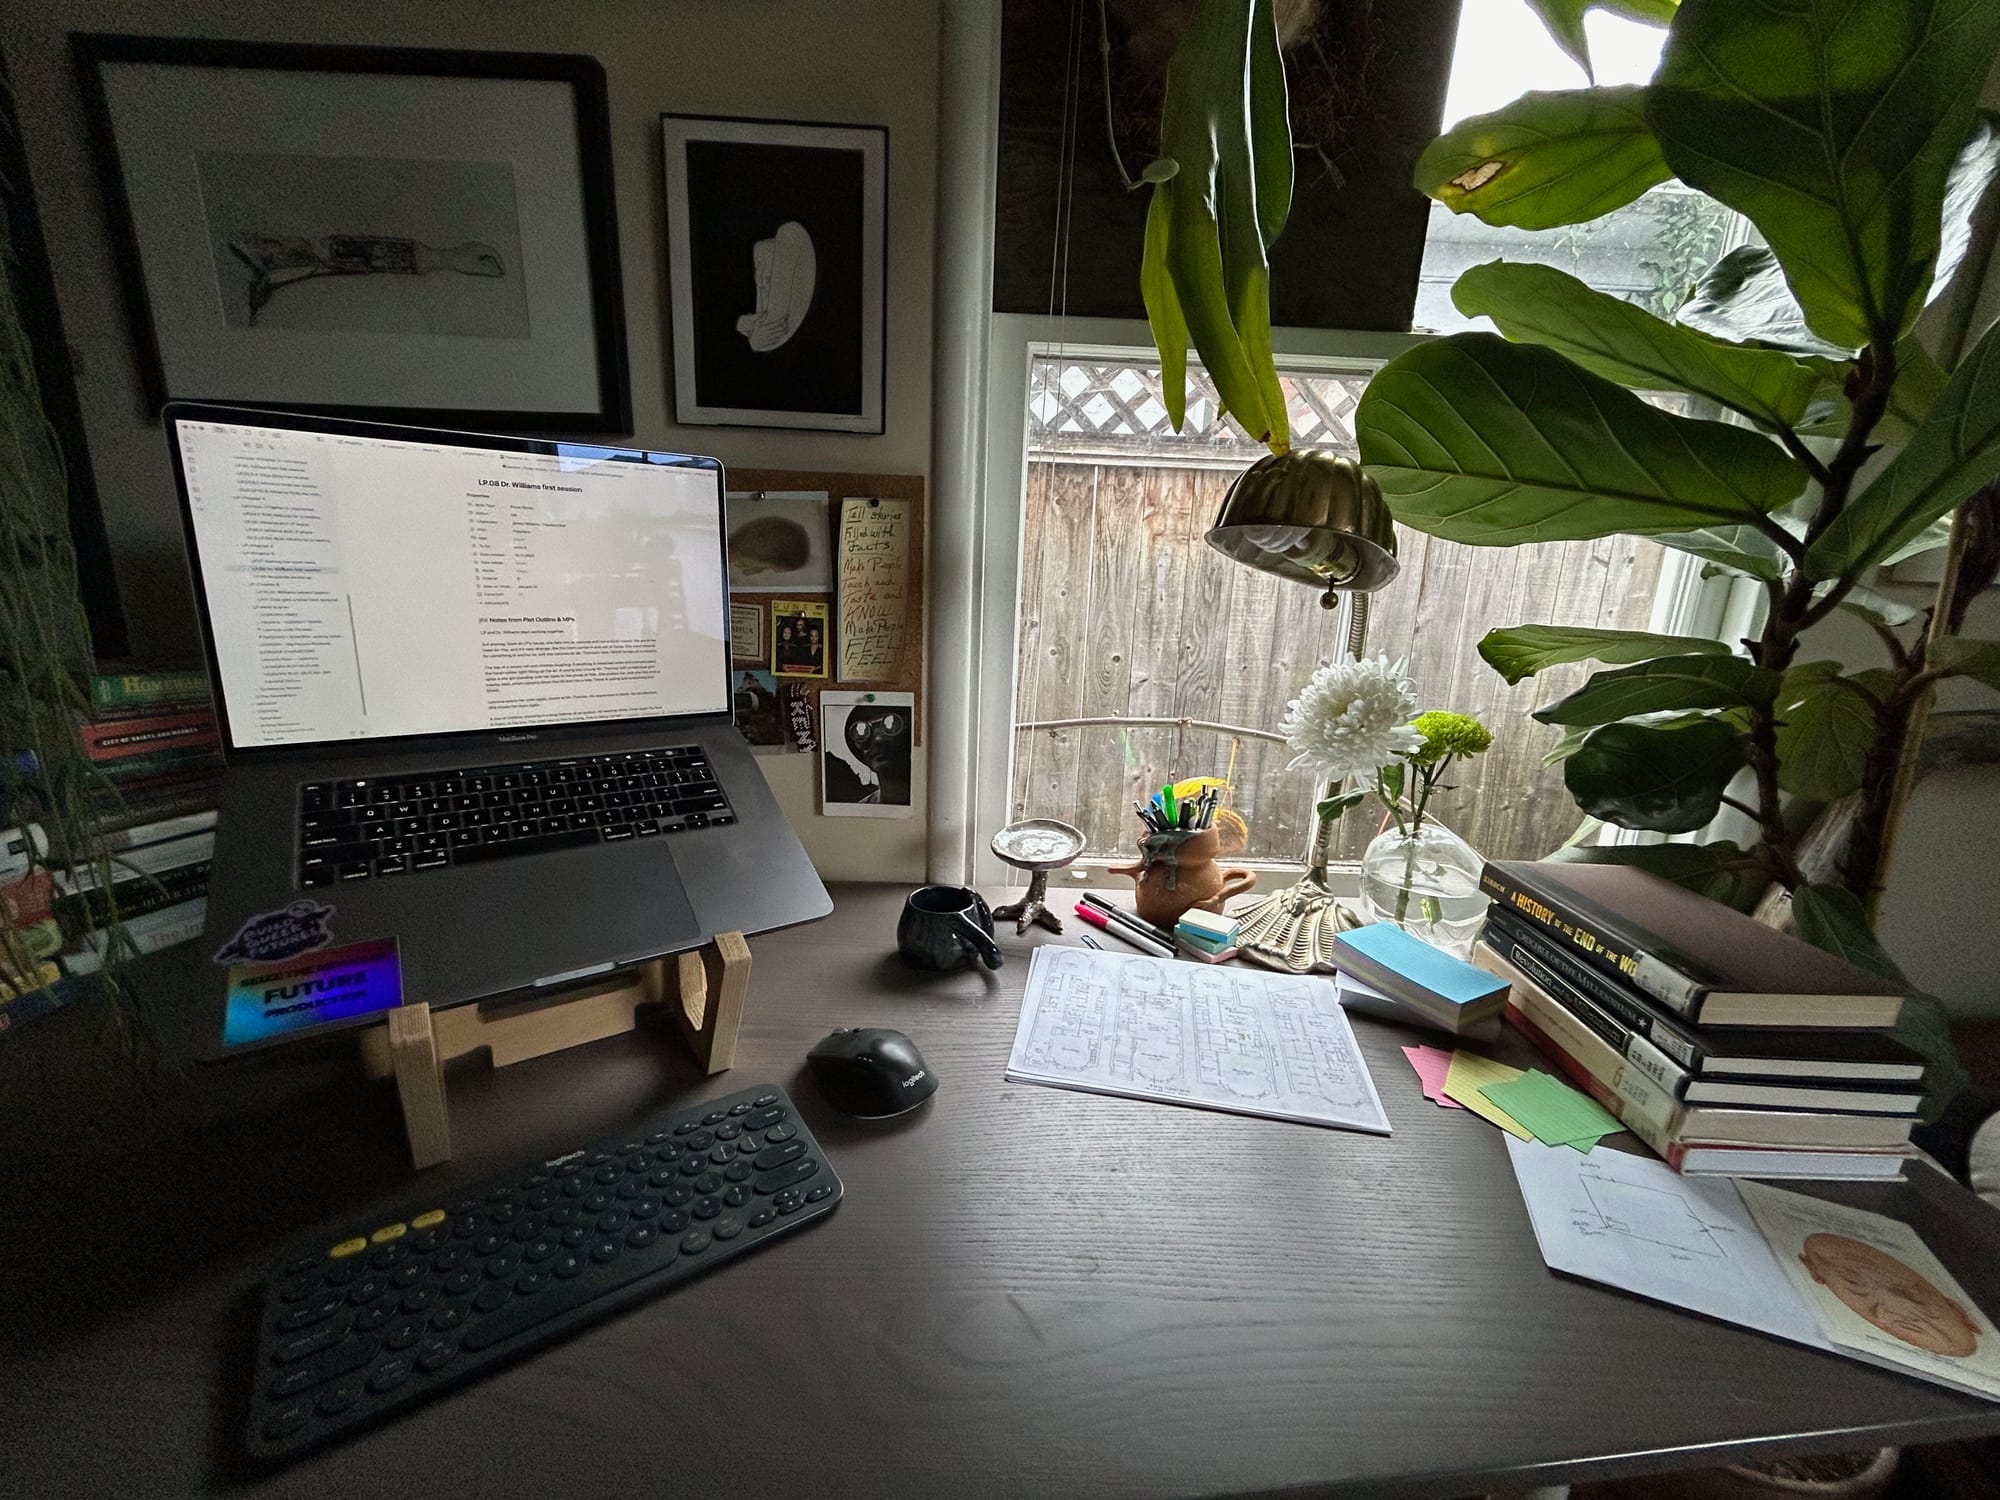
(1848, 137)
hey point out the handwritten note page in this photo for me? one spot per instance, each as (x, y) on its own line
(874, 589)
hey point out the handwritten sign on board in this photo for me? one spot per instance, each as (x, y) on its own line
(873, 563)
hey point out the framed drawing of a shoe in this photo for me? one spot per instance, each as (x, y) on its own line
(776, 238)
(379, 232)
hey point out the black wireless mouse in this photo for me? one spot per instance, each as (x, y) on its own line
(872, 1072)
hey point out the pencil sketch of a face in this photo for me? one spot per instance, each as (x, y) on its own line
(787, 271)
(1892, 1296)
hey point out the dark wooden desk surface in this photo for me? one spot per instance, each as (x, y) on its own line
(1026, 1290)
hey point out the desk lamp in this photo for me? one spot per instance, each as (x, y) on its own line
(1313, 518)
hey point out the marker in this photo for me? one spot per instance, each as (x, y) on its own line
(1138, 940)
(1127, 919)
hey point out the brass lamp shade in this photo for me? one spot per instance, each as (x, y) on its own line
(1311, 517)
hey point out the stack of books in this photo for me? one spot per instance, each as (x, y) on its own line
(154, 736)
(1726, 1046)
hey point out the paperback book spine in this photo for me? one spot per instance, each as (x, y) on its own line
(1609, 945)
(1627, 1021)
(148, 689)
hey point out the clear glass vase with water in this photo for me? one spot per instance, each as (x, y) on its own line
(1426, 881)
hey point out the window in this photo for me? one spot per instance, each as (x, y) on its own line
(1127, 614)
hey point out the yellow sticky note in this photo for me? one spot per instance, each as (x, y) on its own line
(1468, 1074)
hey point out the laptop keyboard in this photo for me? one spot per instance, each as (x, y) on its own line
(380, 826)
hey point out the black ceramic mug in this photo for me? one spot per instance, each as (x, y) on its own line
(944, 927)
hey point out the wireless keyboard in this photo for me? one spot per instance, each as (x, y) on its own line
(375, 827)
(364, 1322)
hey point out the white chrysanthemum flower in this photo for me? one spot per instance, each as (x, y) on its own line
(1353, 718)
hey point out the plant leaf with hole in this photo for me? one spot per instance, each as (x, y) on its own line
(1954, 454)
(1666, 780)
(1519, 651)
(1225, 126)
(1833, 126)
(1552, 157)
(1666, 682)
(1979, 660)
(1714, 870)
(1826, 725)
(1623, 342)
(1478, 440)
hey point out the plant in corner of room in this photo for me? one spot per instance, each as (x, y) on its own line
(1865, 206)
(45, 778)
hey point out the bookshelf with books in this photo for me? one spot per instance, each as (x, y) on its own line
(1619, 980)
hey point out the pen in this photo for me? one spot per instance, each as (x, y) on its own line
(1124, 934)
(1126, 919)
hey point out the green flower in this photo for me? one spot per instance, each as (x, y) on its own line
(1448, 734)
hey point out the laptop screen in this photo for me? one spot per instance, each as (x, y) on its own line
(367, 583)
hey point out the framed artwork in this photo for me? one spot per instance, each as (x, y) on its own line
(777, 238)
(373, 232)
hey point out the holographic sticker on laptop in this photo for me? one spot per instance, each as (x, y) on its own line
(312, 989)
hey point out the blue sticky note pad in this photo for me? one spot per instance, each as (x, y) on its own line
(312, 989)
(1450, 978)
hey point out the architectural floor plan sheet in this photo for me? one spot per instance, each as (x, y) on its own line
(1239, 1039)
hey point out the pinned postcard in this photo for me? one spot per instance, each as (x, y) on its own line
(274, 999)
(798, 638)
(746, 633)
(865, 754)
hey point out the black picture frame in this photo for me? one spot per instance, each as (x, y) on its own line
(753, 204)
(607, 409)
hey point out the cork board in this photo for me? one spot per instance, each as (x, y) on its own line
(839, 487)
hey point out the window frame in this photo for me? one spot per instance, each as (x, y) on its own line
(1685, 604)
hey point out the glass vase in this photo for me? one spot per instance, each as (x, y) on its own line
(1426, 882)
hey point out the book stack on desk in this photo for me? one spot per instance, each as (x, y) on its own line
(1726, 1046)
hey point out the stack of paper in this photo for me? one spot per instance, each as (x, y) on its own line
(1530, 1106)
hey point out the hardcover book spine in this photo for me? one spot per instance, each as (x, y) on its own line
(1643, 1037)
(1618, 953)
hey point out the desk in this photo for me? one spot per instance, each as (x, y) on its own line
(1026, 1290)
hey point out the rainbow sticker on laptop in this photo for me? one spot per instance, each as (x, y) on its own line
(274, 999)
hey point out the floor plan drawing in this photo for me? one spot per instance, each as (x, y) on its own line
(1233, 1039)
(1659, 1216)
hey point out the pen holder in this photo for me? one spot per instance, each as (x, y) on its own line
(1176, 872)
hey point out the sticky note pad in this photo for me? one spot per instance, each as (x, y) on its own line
(1554, 1111)
(1468, 1074)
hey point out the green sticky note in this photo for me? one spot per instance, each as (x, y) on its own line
(1555, 1112)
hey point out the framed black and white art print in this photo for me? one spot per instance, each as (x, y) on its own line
(375, 232)
(776, 235)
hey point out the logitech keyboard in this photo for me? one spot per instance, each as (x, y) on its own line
(367, 1320)
(369, 828)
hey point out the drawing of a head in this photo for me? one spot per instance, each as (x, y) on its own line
(879, 737)
(769, 544)
(1892, 1296)
(786, 271)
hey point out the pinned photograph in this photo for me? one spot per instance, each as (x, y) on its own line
(865, 750)
(759, 714)
(798, 638)
(780, 542)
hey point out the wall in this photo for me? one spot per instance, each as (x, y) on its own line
(862, 61)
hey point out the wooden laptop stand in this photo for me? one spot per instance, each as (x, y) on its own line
(705, 987)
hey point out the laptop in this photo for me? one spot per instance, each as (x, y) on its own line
(475, 705)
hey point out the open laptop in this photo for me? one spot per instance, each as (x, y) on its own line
(475, 697)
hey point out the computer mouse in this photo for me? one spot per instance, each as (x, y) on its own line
(872, 1072)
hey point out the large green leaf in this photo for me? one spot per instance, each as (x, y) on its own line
(1955, 453)
(1832, 919)
(1744, 297)
(1718, 871)
(1667, 780)
(1547, 159)
(1833, 126)
(1920, 380)
(1979, 660)
(1666, 682)
(1163, 312)
(1519, 651)
(1826, 724)
(1623, 342)
(1225, 126)
(1742, 549)
(1478, 440)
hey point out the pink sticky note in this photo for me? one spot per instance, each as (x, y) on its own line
(1432, 1064)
